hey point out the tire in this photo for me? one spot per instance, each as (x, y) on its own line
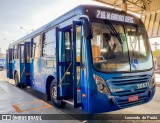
(1, 68)
(17, 82)
(16, 79)
(53, 95)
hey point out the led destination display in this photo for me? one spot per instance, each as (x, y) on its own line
(114, 16)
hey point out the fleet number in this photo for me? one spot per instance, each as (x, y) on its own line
(143, 85)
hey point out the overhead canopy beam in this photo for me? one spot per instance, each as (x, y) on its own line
(134, 3)
(148, 9)
(138, 4)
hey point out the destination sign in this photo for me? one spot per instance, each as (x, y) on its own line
(114, 16)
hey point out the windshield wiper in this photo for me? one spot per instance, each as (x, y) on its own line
(114, 30)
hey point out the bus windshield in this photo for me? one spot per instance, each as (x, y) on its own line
(120, 48)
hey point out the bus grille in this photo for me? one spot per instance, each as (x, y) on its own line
(131, 81)
(119, 81)
(128, 92)
(125, 103)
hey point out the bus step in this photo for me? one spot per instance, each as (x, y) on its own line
(69, 102)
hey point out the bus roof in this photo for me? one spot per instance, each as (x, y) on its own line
(89, 10)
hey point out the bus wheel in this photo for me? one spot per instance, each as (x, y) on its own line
(53, 94)
(1, 68)
(16, 79)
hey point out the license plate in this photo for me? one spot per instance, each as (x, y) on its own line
(132, 98)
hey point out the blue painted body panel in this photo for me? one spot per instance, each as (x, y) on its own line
(40, 72)
(9, 70)
(97, 102)
(102, 103)
(115, 101)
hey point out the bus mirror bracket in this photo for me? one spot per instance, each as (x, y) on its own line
(87, 28)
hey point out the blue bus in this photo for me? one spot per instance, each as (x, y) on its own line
(92, 57)
(2, 63)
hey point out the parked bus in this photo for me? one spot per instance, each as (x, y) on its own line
(2, 63)
(92, 57)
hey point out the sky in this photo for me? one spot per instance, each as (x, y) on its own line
(30, 14)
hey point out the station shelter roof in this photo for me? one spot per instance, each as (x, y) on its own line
(148, 10)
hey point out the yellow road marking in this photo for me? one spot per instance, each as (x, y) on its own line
(17, 106)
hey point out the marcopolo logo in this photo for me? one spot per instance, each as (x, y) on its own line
(116, 89)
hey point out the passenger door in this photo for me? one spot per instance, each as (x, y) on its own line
(9, 64)
(64, 63)
(68, 63)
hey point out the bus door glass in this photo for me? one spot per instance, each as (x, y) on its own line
(76, 63)
(9, 63)
(22, 64)
(64, 64)
(27, 57)
(27, 52)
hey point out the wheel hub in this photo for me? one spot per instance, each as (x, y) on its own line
(54, 92)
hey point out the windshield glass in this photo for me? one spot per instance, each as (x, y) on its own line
(139, 49)
(120, 48)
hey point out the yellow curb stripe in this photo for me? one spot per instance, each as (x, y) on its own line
(17, 108)
(45, 105)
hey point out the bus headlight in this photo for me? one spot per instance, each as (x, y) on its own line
(101, 86)
(152, 82)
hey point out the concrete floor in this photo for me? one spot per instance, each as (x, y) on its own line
(14, 100)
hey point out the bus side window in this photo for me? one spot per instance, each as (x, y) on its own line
(10, 55)
(22, 54)
(13, 55)
(15, 52)
(36, 47)
(32, 48)
(49, 44)
(7, 56)
(28, 52)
